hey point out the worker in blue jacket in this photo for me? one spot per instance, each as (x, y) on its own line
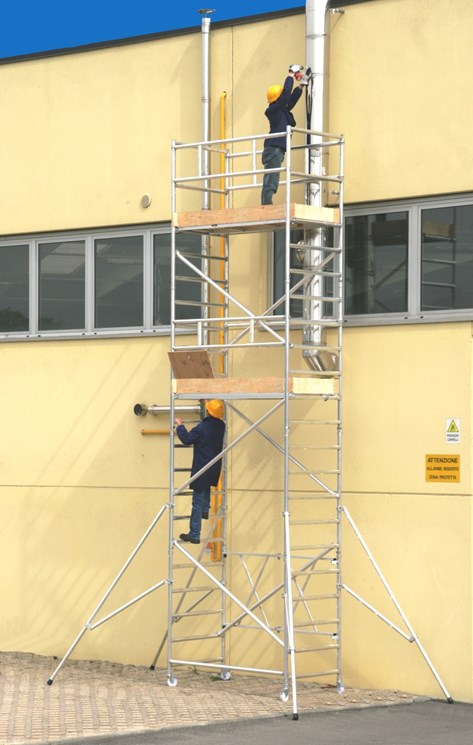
(281, 99)
(207, 439)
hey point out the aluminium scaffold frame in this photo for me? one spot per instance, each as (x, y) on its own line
(317, 284)
(305, 285)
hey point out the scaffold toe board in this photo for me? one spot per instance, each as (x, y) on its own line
(251, 219)
(222, 386)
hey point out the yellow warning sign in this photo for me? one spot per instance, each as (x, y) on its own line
(442, 468)
(452, 430)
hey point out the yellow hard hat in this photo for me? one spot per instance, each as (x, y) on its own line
(273, 93)
(215, 408)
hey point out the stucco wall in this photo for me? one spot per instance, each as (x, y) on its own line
(84, 136)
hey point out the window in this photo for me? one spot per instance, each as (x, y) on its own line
(118, 282)
(406, 261)
(300, 260)
(14, 288)
(188, 287)
(376, 263)
(447, 258)
(61, 285)
(96, 283)
(410, 261)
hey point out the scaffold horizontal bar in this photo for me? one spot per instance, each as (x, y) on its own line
(200, 637)
(197, 663)
(321, 674)
(318, 649)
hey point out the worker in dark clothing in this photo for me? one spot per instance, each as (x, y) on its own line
(207, 439)
(281, 99)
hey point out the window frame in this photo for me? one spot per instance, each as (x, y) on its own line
(89, 236)
(414, 314)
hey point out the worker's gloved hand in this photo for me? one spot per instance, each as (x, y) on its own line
(296, 70)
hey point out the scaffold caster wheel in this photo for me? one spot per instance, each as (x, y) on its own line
(172, 682)
(284, 695)
(225, 675)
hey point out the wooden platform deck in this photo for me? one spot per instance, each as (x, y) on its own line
(255, 219)
(255, 387)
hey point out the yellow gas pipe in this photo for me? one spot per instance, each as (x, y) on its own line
(216, 547)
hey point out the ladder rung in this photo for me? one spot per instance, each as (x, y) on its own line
(334, 521)
(202, 257)
(199, 304)
(314, 272)
(319, 298)
(192, 588)
(318, 649)
(318, 571)
(314, 473)
(314, 447)
(312, 422)
(315, 546)
(316, 597)
(202, 563)
(180, 639)
(315, 497)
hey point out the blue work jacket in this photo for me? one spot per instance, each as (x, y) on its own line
(207, 439)
(279, 113)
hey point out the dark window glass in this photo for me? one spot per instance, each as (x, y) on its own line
(447, 258)
(300, 258)
(188, 284)
(62, 285)
(376, 263)
(14, 288)
(297, 262)
(119, 282)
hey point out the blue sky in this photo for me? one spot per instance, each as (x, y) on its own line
(41, 25)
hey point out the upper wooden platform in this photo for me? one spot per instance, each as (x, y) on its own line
(255, 219)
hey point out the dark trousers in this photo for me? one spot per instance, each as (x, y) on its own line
(200, 504)
(272, 157)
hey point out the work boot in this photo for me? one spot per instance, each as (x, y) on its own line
(186, 537)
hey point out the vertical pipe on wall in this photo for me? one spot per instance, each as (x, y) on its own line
(316, 34)
(204, 165)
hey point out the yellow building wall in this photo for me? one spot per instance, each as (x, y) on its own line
(84, 136)
(399, 93)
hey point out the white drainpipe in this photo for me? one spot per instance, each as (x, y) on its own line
(205, 94)
(205, 64)
(316, 36)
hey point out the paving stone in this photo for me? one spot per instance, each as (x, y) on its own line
(92, 698)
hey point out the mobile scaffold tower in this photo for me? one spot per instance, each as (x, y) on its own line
(279, 581)
(265, 587)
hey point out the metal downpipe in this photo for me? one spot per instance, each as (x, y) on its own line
(316, 53)
(204, 164)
